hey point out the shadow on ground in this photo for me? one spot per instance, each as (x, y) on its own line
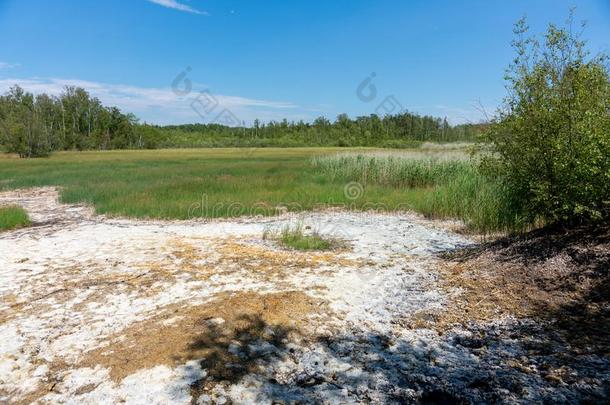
(520, 361)
(558, 355)
(562, 274)
(229, 355)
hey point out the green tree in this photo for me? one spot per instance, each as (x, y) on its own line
(22, 125)
(34, 126)
(551, 139)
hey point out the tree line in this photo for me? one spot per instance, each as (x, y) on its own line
(36, 125)
(400, 130)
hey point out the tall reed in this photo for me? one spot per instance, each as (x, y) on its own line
(453, 188)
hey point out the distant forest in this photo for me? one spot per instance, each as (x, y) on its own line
(36, 125)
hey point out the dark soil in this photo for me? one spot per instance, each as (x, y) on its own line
(556, 274)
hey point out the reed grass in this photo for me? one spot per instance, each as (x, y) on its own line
(450, 188)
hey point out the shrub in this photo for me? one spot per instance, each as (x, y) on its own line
(551, 140)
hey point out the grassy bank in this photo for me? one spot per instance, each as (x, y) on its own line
(188, 183)
(13, 217)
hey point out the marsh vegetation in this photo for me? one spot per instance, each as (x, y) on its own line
(211, 183)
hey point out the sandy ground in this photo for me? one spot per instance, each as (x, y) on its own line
(102, 310)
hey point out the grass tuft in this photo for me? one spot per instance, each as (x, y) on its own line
(296, 238)
(12, 217)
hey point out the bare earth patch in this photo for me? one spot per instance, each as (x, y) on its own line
(100, 310)
(193, 332)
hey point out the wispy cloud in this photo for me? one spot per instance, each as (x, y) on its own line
(162, 105)
(461, 115)
(178, 6)
(6, 65)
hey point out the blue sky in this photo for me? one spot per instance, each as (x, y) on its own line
(274, 59)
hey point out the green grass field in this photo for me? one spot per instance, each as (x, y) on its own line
(186, 183)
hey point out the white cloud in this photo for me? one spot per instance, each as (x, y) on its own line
(460, 115)
(178, 6)
(6, 65)
(162, 105)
